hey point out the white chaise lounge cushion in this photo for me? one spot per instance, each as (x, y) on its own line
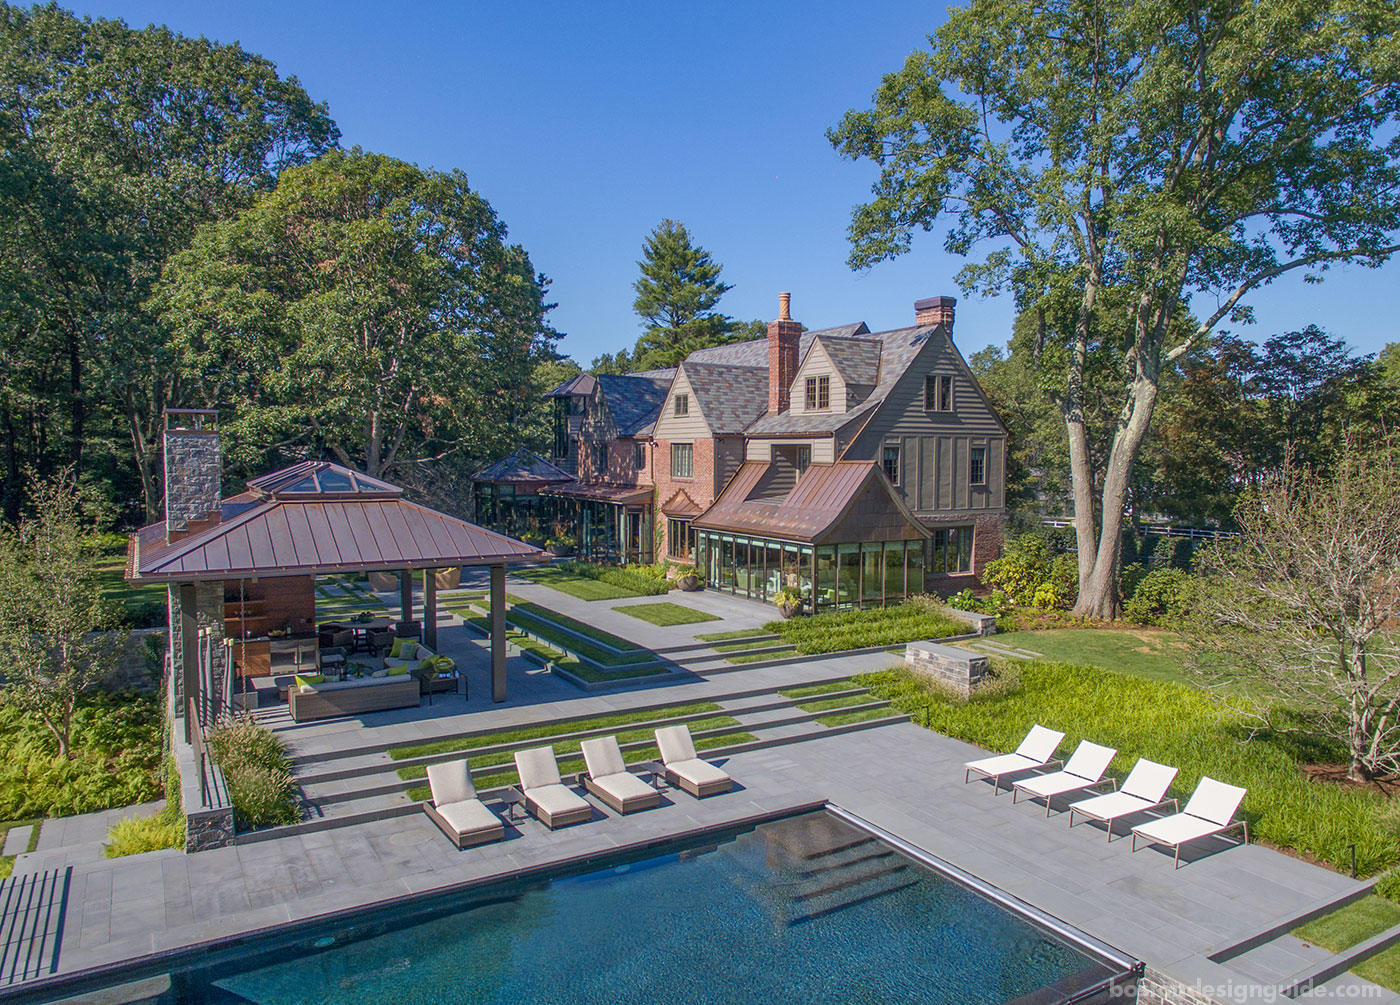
(451, 782)
(699, 772)
(1085, 768)
(675, 744)
(537, 767)
(469, 816)
(609, 771)
(1038, 747)
(556, 799)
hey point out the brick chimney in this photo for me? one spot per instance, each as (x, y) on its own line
(935, 311)
(192, 494)
(783, 336)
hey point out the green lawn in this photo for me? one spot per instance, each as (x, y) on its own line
(1144, 652)
(144, 606)
(7, 862)
(873, 626)
(772, 650)
(1172, 724)
(551, 729)
(815, 689)
(742, 633)
(582, 587)
(561, 659)
(1353, 925)
(545, 623)
(666, 614)
(844, 718)
(827, 704)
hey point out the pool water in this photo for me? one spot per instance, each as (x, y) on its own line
(806, 909)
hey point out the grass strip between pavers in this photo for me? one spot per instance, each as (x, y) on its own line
(546, 730)
(1351, 925)
(830, 703)
(845, 718)
(561, 659)
(7, 862)
(575, 764)
(666, 614)
(811, 689)
(582, 587)
(562, 747)
(547, 622)
(741, 633)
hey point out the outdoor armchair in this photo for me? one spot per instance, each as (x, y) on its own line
(684, 769)
(1210, 810)
(1144, 789)
(456, 809)
(609, 780)
(1082, 771)
(1035, 751)
(547, 798)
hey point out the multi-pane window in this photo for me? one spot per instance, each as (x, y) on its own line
(938, 392)
(682, 460)
(818, 393)
(602, 457)
(977, 466)
(802, 458)
(680, 538)
(682, 404)
(951, 550)
(889, 460)
(639, 455)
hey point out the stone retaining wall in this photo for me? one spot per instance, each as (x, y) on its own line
(954, 668)
(982, 624)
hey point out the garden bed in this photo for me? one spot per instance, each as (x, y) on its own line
(864, 629)
(1173, 724)
(588, 581)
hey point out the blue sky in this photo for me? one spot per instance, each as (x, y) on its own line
(584, 124)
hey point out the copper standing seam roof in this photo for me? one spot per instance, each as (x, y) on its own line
(680, 504)
(523, 467)
(601, 493)
(297, 531)
(819, 500)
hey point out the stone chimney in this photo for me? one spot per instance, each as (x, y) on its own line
(783, 336)
(935, 311)
(192, 494)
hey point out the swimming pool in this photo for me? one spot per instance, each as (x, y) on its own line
(811, 908)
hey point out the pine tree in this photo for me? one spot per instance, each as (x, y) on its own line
(676, 296)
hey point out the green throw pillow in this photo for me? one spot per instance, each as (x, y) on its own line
(397, 671)
(444, 664)
(306, 680)
(396, 648)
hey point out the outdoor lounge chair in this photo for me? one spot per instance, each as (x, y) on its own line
(684, 769)
(1035, 751)
(1145, 788)
(1082, 771)
(456, 809)
(1210, 810)
(609, 779)
(547, 798)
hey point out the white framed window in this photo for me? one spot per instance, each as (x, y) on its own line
(682, 460)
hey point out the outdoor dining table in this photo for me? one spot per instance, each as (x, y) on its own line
(363, 628)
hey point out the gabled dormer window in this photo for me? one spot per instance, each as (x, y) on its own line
(938, 392)
(682, 405)
(818, 393)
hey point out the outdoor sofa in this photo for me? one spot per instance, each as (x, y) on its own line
(608, 778)
(684, 769)
(456, 809)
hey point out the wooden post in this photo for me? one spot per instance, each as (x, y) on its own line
(498, 633)
(405, 596)
(430, 609)
(189, 654)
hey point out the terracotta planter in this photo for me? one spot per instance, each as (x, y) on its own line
(448, 579)
(688, 583)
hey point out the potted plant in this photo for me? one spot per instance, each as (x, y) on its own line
(687, 578)
(789, 602)
(560, 545)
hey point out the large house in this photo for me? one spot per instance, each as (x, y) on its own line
(852, 466)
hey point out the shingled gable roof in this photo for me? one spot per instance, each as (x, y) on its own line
(857, 360)
(581, 384)
(285, 525)
(810, 509)
(898, 350)
(755, 351)
(635, 400)
(730, 397)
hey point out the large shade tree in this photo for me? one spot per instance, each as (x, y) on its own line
(1172, 155)
(117, 144)
(366, 308)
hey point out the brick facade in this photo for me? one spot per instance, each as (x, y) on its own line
(700, 487)
(621, 468)
(783, 339)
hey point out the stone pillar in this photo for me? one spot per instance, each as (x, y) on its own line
(498, 633)
(195, 609)
(430, 609)
(957, 669)
(192, 493)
